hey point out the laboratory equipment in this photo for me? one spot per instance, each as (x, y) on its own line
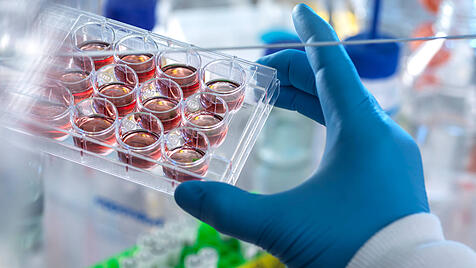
(182, 67)
(163, 98)
(141, 133)
(439, 83)
(95, 36)
(192, 245)
(287, 153)
(441, 57)
(95, 118)
(355, 126)
(140, 13)
(227, 79)
(431, 5)
(224, 162)
(398, 17)
(118, 83)
(208, 113)
(74, 73)
(111, 224)
(142, 64)
(378, 64)
(188, 149)
(49, 107)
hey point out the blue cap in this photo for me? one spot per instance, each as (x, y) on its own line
(140, 13)
(374, 61)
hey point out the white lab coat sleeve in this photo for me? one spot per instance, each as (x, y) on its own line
(413, 241)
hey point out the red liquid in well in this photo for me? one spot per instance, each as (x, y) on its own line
(93, 125)
(207, 119)
(80, 87)
(47, 111)
(49, 115)
(74, 77)
(186, 155)
(97, 46)
(142, 64)
(186, 76)
(83, 95)
(140, 139)
(225, 87)
(115, 91)
(170, 119)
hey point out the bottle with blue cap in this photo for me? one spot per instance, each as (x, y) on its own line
(378, 64)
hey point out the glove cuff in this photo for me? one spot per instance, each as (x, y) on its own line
(394, 245)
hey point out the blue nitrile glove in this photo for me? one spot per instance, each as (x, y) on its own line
(370, 174)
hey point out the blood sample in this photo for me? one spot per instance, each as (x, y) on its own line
(140, 133)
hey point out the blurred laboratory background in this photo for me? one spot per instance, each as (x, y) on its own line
(56, 213)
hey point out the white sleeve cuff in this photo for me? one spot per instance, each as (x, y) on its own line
(413, 241)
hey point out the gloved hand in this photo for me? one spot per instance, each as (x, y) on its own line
(370, 174)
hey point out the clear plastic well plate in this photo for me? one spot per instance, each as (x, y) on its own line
(226, 160)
